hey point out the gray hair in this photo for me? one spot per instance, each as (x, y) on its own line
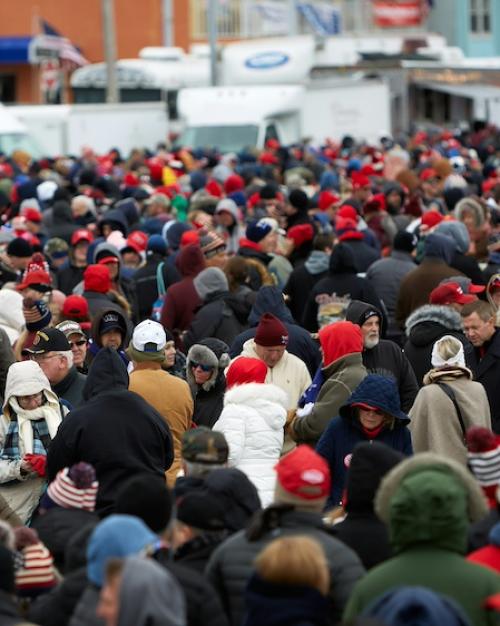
(68, 355)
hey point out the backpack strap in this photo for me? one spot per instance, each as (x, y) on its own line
(451, 395)
(160, 282)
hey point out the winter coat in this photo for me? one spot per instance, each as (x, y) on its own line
(252, 421)
(270, 300)
(364, 254)
(70, 388)
(222, 316)
(435, 425)
(283, 605)
(386, 358)
(341, 379)
(98, 301)
(115, 430)
(85, 610)
(341, 281)
(63, 225)
(386, 275)
(11, 314)
(289, 373)
(57, 526)
(345, 431)
(428, 541)
(488, 374)
(68, 277)
(231, 565)
(417, 285)
(361, 529)
(9, 613)
(171, 397)
(6, 359)
(182, 300)
(302, 279)
(461, 261)
(209, 397)
(146, 286)
(424, 327)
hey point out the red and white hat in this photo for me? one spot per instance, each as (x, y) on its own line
(75, 487)
(483, 457)
(37, 573)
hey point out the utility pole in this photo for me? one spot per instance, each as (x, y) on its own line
(108, 24)
(168, 18)
(212, 10)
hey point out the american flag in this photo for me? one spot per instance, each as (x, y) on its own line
(70, 55)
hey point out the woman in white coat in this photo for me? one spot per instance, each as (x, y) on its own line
(253, 421)
(30, 419)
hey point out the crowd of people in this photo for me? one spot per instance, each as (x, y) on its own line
(254, 389)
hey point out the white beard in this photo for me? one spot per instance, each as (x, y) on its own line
(371, 342)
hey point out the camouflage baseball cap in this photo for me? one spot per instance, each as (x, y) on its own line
(202, 445)
(56, 248)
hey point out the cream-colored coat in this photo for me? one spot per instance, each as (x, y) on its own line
(435, 426)
(289, 373)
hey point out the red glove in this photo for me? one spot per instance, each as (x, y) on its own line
(38, 462)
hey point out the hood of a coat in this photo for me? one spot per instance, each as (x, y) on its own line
(342, 260)
(212, 352)
(149, 594)
(270, 401)
(338, 340)
(115, 217)
(358, 312)
(432, 319)
(489, 287)
(379, 392)
(190, 261)
(107, 373)
(447, 373)
(439, 247)
(26, 378)
(128, 207)
(428, 499)
(96, 323)
(370, 462)
(317, 262)
(456, 231)
(110, 250)
(270, 300)
(61, 213)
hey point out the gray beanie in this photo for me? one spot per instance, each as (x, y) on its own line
(210, 280)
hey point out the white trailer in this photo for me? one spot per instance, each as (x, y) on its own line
(14, 135)
(66, 129)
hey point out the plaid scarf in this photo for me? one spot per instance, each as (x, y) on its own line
(41, 440)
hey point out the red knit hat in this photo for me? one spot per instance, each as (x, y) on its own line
(271, 332)
(348, 212)
(37, 574)
(246, 370)
(97, 278)
(483, 456)
(303, 478)
(233, 183)
(74, 488)
(300, 234)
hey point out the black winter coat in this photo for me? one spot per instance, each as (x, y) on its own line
(116, 431)
(208, 405)
(342, 281)
(146, 288)
(70, 388)
(57, 526)
(222, 316)
(68, 277)
(300, 343)
(9, 615)
(488, 374)
(57, 607)
(231, 565)
(63, 225)
(299, 285)
(424, 327)
(468, 266)
(364, 254)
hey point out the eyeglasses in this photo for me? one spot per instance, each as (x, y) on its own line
(204, 368)
(80, 342)
(36, 397)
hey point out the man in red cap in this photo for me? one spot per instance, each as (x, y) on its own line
(451, 294)
(301, 491)
(71, 274)
(284, 369)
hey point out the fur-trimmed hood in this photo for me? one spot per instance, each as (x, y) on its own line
(200, 353)
(437, 313)
(269, 400)
(494, 277)
(420, 501)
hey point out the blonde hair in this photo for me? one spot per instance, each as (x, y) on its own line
(448, 347)
(297, 561)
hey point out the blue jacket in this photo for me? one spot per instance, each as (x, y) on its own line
(344, 431)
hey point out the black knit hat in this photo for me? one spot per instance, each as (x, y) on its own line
(148, 498)
(20, 248)
(405, 242)
(299, 200)
(201, 510)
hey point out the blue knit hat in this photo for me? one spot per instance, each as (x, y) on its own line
(157, 244)
(257, 230)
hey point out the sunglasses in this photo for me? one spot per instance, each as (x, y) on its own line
(204, 368)
(80, 342)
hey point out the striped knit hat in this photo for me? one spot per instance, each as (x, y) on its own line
(483, 454)
(36, 574)
(74, 487)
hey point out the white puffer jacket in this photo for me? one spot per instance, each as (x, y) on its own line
(252, 421)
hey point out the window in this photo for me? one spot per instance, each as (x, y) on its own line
(480, 16)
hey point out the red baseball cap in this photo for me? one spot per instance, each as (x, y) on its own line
(428, 174)
(327, 199)
(450, 293)
(359, 181)
(108, 259)
(303, 474)
(82, 234)
(432, 218)
(36, 277)
(32, 215)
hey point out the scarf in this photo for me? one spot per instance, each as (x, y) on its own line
(30, 432)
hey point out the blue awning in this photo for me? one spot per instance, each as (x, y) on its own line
(14, 49)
